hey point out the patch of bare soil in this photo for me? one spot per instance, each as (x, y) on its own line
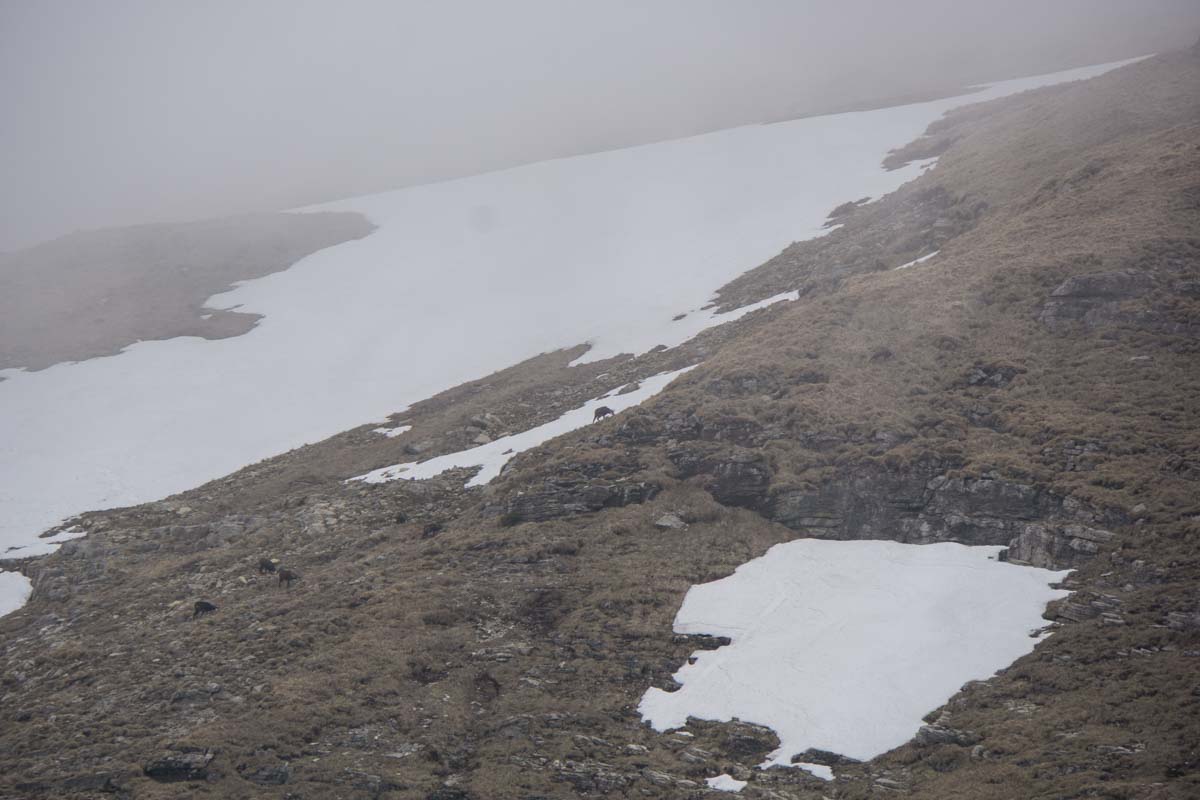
(92, 294)
(1033, 386)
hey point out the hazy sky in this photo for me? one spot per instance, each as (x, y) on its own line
(123, 111)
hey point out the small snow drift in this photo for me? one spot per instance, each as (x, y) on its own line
(655, 331)
(15, 589)
(725, 783)
(392, 433)
(844, 646)
(920, 260)
(495, 454)
(42, 545)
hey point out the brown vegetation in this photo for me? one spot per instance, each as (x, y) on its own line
(493, 643)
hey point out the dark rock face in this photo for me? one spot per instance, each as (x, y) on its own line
(563, 498)
(748, 743)
(1093, 299)
(1087, 605)
(702, 641)
(924, 505)
(738, 478)
(929, 735)
(179, 766)
(993, 375)
(824, 757)
(276, 775)
(1049, 545)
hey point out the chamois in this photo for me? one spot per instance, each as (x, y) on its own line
(265, 565)
(602, 412)
(287, 576)
(201, 608)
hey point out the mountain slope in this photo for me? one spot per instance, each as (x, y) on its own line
(457, 279)
(92, 294)
(1032, 385)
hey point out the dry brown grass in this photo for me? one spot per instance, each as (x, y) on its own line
(506, 661)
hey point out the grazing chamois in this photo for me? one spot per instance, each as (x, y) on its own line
(601, 413)
(287, 576)
(265, 565)
(201, 608)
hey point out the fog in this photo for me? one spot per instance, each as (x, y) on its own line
(124, 112)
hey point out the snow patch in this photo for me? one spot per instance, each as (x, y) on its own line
(41, 546)
(15, 589)
(495, 454)
(820, 770)
(920, 260)
(845, 646)
(392, 433)
(725, 783)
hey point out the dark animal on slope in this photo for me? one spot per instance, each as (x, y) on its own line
(602, 412)
(201, 608)
(287, 576)
(265, 565)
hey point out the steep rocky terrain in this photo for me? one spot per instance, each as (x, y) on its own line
(1033, 385)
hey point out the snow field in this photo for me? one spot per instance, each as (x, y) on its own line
(845, 645)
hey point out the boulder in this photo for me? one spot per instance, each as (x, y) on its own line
(823, 757)
(179, 766)
(929, 735)
(564, 498)
(1092, 299)
(669, 522)
(271, 775)
(993, 375)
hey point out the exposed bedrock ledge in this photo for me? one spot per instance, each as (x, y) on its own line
(925, 505)
(918, 505)
(564, 498)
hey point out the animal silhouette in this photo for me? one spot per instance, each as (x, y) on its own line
(201, 608)
(286, 576)
(601, 413)
(265, 565)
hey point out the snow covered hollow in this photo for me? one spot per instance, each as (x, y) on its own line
(845, 646)
(495, 454)
(459, 280)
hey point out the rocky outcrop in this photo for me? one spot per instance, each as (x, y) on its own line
(1093, 299)
(567, 497)
(179, 766)
(670, 522)
(929, 735)
(1057, 545)
(925, 504)
(995, 376)
(270, 775)
(734, 478)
